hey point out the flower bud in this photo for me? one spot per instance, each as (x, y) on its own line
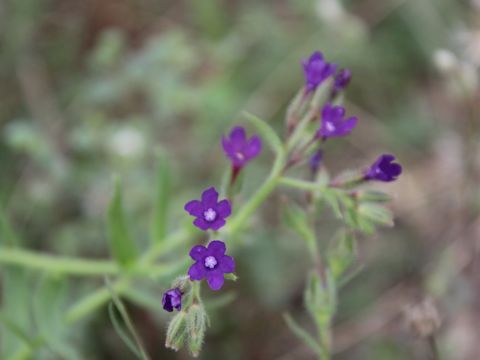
(177, 331)
(196, 326)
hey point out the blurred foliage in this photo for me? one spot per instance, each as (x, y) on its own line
(95, 88)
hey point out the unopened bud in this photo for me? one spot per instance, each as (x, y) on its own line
(177, 331)
(196, 326)
(181, 282)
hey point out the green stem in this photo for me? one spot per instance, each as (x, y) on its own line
(324, 335)
(98, 298)
(56, 264)
(93, 301)
(300, 184)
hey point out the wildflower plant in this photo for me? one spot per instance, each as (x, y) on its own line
(314, 118)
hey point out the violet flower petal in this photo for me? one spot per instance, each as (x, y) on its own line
(215, 280)
(194, 207)
(197, 271)
(198, 252)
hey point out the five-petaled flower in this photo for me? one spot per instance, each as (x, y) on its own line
(341, 81)
(383, 169)
(209, 212)
(316, 71)
(211, 263)
(239, 149)
(334, 123)
(172, 299)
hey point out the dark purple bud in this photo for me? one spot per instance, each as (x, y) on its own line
(172, 299)
(342, 79)
(384, 169)
(211, 263)
(239, 149)
(316, 71)
(334, 123)
(316, 161)
(209, 212)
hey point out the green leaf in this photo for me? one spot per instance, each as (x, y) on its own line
(126, 331)
(373, 196)
(116, 322)
(48, 310)
(341, 253)
(302, 334)
(376, 213)
(162, 200)
(266, 132)
(15, 329)
(331, 197)
(121, 244)
(16, 296)
(296, 219)
(320, 298)
(271, 137)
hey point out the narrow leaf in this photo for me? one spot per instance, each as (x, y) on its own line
(266, 132)
(131, 339)
(376, 213)
(121, 244)
(15, 329)
(296, 219)
(330, 196)
(302, 334)
(271, 137)
(341, 253)
(120, 331)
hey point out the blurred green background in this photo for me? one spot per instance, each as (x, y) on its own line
(90, 89)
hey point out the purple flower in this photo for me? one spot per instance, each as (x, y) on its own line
(239, 149)
(316, 161)
(384, 169)
(334, 123)
(342, 79)
(172, 299)
(209, 212)
(316, 70)
(211, 263)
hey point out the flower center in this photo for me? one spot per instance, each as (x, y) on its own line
(330, 127)
(240, 156)
(210, 214)
(210, 262)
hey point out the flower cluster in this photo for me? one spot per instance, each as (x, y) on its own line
(315, 115)
(333, 122)
(211, 262)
